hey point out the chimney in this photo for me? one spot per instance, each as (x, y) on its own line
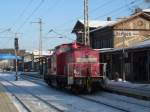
(108, 18)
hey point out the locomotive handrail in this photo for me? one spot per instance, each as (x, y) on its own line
(104, 69)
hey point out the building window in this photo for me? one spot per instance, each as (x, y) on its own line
(98, 44)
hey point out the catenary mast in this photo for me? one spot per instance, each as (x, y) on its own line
(86, 24)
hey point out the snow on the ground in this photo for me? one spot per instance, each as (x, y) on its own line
(64, 101)
(126, 84)
(72, 103)
(123, 102)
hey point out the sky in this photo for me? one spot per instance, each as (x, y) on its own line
(21, 17)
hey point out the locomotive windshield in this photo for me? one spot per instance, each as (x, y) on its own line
(86, 59)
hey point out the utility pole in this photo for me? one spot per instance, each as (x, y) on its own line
(86, 24)
(40, 42)
(123, 53)
(40, 36)
(16, 54)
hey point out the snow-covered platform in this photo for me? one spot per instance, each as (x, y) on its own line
(32, 74)
(6, 104)
(141, 91)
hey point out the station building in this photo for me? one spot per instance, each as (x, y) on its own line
(10, 64)
(116, 41)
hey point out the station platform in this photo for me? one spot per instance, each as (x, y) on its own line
(141, 91)
(6, 104)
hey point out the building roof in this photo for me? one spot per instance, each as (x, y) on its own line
(9, 57)
(96, 23)
(145, 12)
(92, 24)
(44, 53)
(141, 45)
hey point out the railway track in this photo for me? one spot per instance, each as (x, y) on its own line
(33, 75)
(109, 104)
(18, 99)
(138, 93)
(89, 99)
(102, 103)
(119, 104)
(52, 107)
(126, 101)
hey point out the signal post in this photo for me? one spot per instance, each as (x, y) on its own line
(16, 52)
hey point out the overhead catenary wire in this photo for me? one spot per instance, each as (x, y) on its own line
(81, 16)
(62, 35)
(22, 13)
(50, 9)
(115, 10)
(110, 12)
(32, 13)
(100, 7)
(120, 11)
(17, 19)
(6, 30)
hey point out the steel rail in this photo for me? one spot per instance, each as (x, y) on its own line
(103, 103)
(35, 96)
(95, 100)
(18, 99)
(130, 102)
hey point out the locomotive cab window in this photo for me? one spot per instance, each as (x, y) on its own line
(86, 59)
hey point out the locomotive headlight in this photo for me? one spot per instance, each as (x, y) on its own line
(76, 72)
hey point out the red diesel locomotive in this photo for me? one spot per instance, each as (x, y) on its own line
(74, 66)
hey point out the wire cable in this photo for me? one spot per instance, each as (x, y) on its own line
(32, 13)
(22, 13)
(115, 10)
(92, 11)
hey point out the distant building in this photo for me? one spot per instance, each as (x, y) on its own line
(12, 51)
(10, 64)
(33, 62)
(110, 34)
(44, 53)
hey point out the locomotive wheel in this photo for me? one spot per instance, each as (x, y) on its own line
(60, 84)
(75, 89)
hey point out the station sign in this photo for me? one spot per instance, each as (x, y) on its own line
(126, 33)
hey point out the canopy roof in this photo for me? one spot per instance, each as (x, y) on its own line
(9, 57)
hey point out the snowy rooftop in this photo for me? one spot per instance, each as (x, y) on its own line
(146, 10)
(96, 23)
(45, 53)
